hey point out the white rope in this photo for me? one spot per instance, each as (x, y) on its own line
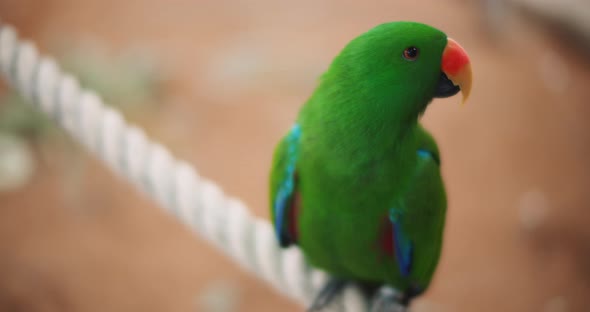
(174, 184)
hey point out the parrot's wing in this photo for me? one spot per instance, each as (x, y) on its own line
(283, 188)
(403, 244)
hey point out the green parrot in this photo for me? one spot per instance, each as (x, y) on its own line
(356, 183)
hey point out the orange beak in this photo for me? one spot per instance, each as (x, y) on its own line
(457, 67)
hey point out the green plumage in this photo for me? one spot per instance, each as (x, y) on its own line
(360, 156)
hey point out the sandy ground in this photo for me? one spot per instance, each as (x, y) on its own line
(85, 240)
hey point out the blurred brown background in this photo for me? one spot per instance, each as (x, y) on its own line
(219, 82)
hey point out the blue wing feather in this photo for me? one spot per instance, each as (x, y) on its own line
(428, 154)
(286, 188)
(402, 245)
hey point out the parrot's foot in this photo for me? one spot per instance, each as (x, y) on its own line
(327, 294)
(388, 299)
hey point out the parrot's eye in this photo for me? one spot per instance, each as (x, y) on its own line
(411, 53)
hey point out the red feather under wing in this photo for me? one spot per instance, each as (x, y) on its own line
(293, 217)
(386, 238)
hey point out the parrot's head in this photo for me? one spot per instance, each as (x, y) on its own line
(403, 64)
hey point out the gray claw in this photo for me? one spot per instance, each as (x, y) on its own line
(388, 299)
(326, 296)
